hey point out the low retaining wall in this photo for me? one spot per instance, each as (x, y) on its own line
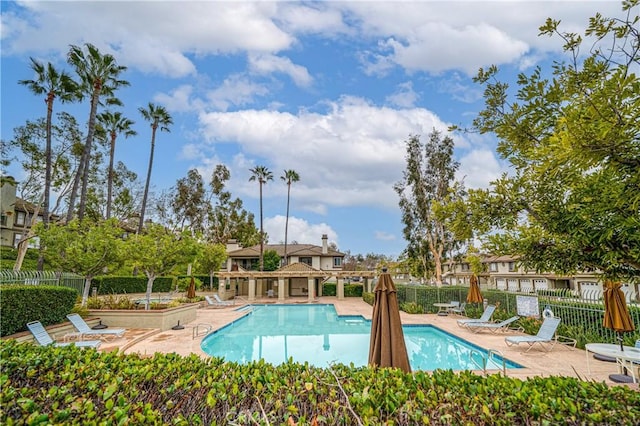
(162, 319)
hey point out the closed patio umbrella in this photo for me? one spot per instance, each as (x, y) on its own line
(616, 314)
(191, 290)
(474, 295)
(387, 347)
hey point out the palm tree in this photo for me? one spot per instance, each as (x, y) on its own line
(159, 118)
(98, 78)
(289, 177)
(262, 175)
(54, 84)
(114, 123)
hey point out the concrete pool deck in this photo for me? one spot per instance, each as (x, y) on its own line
(560, 361)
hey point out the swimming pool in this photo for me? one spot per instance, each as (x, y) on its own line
(317, 335)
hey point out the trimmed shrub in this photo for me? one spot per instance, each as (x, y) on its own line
(48, 385)
(24, 303)
(126, 285)
(353, 290)
(329, 289)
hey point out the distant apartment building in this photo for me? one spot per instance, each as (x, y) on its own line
(16, 215)
(506, 273)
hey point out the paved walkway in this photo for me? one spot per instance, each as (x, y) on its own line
(562, 360)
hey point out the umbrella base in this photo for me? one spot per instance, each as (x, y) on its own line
(604, 358)
(620, 378)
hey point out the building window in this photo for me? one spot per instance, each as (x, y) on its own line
(512, 266)
(337, 262)
(493, 267)
(305, 260)
(20, 218)
(16, 240)
(465, 267)
(3, 220)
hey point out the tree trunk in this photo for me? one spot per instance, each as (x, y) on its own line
(86, 154)
(150, 279)
(261, 233)
(112, 150)
(286, 224)
(146, 186)
(85, 291)
(23, 245)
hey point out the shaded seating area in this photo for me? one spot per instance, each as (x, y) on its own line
(44, 338)
(485, 318)
(84, 330)
(545, 338)
(493, 327)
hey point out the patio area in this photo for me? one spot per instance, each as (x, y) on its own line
(561, 360)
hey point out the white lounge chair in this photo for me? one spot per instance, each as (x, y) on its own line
(218, 303)
(493, 327)
(485, 318)
(546, 335)
(459, 309)
(84, 329)
(43, 338)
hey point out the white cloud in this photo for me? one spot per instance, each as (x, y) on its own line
(269, 64)
(300, 231)
(404, 96)
(479, 167)
(351, 154)
(384, 236)
(236, 90)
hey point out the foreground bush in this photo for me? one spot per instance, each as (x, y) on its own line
(75, 386)
(20, 304)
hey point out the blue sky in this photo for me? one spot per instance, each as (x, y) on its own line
(329, 89)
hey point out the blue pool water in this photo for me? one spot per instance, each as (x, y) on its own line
(317, 335)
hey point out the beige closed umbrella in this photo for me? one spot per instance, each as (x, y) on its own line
(474, 295)
(616, 314)
(387, 347)
(191, 290)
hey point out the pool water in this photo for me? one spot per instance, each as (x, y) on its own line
(317, 335)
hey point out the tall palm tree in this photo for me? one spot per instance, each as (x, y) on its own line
(159, 118)
(262, 175)
(290, 176)
(54, 84)
(114, 123)
(99, 77)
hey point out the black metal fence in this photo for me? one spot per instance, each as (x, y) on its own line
(582, 313)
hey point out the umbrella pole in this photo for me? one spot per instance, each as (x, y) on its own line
(620, 339)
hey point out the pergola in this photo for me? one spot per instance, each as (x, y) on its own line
(284, 275)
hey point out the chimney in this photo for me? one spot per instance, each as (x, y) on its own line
(325, 245)
(232, 245)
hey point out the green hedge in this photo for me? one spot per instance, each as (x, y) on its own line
(350, 290)
(138, 284)
(47, 385)
(24, 303)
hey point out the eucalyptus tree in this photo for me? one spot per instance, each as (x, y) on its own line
(99, 79)
(114, 124)
(571, 135)
(190, 203)
(159, 118)
(290, 176)
(427, 183)
(227, 218)
(262, 175)
(54, 85)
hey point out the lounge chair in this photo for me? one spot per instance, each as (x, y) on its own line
(84, 329)
(546, 335)
(218, 303)
(43, 338)
(493, 327)
(459, 309)
(485, 318)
